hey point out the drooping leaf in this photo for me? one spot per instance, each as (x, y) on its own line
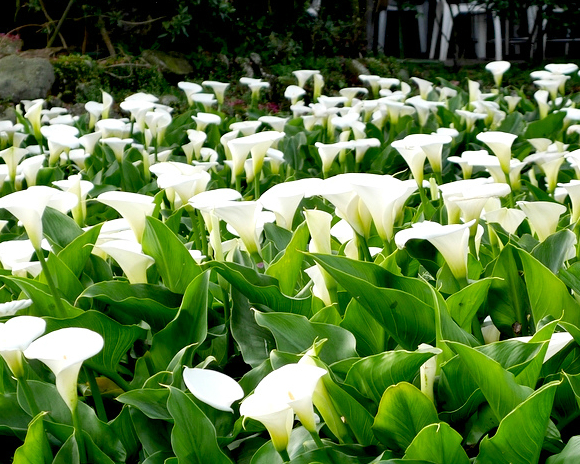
(570, 453)
(76, 253)
(406, 317)
(150, 401)
(403, 412)
(35, 449)
(59, 228)
(193, 437)
(464, 304)
(152, 303)
(371, 336)
(295, 334)
(261, 289)
(371, 376)
(520, 435)
(554, 251)
(68, 452)
(498, 385)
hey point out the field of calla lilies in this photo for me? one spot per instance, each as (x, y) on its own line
(386, 275)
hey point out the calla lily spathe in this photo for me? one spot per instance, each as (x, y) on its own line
(15, 336)
(134, 207)
(500, 144)
(213, 388)
(64, 351)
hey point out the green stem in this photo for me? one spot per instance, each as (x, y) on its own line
(256, 187)
(195, 233)
(98, 399)
(79, 434)
(317, 440)
(50, 281)
(34, 409)
(201, 231)
(284, 455)
(511, 202)
(239, 184)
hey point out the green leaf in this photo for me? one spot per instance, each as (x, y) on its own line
(371, 376)
(286, 268)
(67, 283)
(570, 453)
(514, 123)
(255, 342)
(296, 334)
(77, 252)
(59, 228)
(60, 423)
(68, 452)
(174, 263)
(439, 444)
(406, 317)
(154, 435)
(507, 301)
(261, 289)
(464, 304)
(119, 339)
(403, 412)
(152, 303)
(193, 437)
(546, 127)
(39, 293)
(499, 386)
(150, 401)
(553, 251)
(35, 449)
(188, 327)
(548, 295)
(520, 435)
(371, 337)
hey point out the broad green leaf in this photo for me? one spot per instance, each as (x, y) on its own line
(152, 303)
(261, 289)
(574, 381)
(174, 263)
(44, 303)
(371, 376)
(296, 334)
(150, 401)
(499, 386)
(119, 339)
(571, 276)
(35, 449)
(193, 437)
(546, 127)
(154, 435)
(554, 251)
(548, 295)
(464, 304)
(520, 435)
(123, 428)
(439, 444)
(13, 420)
(514, 123)
(570, 453)
(65, 280)
(507, 301)
(286, 268)
(59, 228)
(371, 337)
(188, 327)
(95, 455)
(403, 412)
(76, 253)
(59, 420)
(408, 319)
(68, 452)
(255, 342)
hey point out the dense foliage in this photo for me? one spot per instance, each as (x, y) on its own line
(176, 288)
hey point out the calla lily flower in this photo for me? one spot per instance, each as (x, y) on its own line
(243, 217)
(509, 218)
(293, 93)
(64, 351)
(303, 75)
(15, 336)
(424, 85)
(543, 216)
(12, 156)
(203, 120)
(275, 415)
(189, 88)
(500, 144)
(218, 88)
(81, 189)
(573, 190)
(28, 206)
(213, 388)
(134, 207)
(129, 255)
(498, 69)
(452, 241)
(414, 156)
(294, 384)
(283, 200)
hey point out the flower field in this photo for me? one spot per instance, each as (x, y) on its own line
(385, 275)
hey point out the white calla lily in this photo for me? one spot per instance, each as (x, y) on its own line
(134, 207)
(213, 388)
(15, 336)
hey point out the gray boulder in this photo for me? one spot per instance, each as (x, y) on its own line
(25, 78)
